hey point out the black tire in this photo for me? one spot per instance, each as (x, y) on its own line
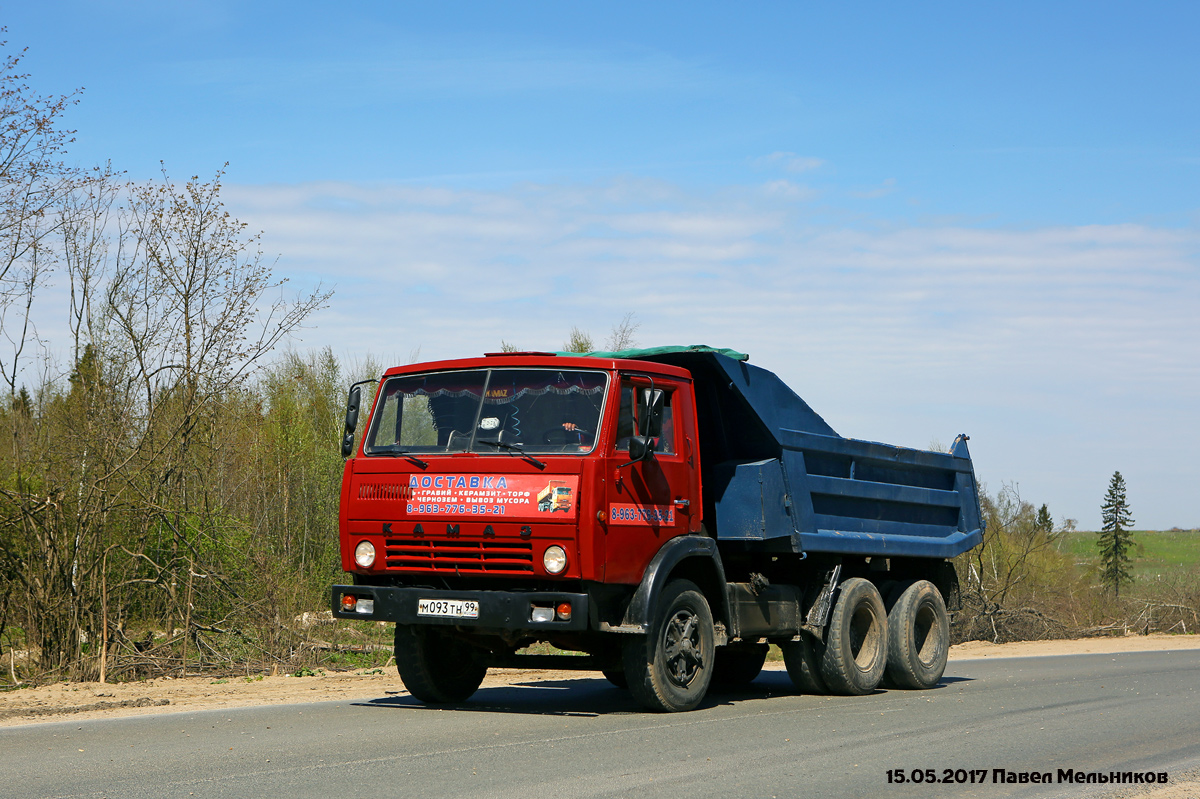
(890, 591)
(803, 661)
(669, 668)
(616, 677)
(854, 656)
(918, 637)
(738, 664)
(435, 667)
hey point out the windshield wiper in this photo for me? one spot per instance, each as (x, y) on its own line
(401, 453)
(512, 448)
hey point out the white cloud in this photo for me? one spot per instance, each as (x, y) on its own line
(882, 190)
(1075, 346)
(789, 162)
(788, 190)
(402, 69)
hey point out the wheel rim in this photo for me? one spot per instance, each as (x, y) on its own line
(927, 636)
(682, 648)
(864, 637)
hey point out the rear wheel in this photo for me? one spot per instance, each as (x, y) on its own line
(738, 664)
(918, 637)
(435, 667)
(854, 655)
(671, 666)
(803, 661)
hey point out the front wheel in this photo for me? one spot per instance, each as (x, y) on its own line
(671, 666)
(435, 667)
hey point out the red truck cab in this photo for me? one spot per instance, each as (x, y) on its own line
(448, 472)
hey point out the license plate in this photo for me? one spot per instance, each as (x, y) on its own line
(448, 608)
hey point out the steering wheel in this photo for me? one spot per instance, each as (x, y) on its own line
(562, 437)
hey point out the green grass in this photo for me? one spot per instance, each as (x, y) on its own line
(1156, 555)
(305, 671)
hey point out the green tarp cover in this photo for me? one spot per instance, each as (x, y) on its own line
(652, 351)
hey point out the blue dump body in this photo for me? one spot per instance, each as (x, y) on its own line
(777, 477)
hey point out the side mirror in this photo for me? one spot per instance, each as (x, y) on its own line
(650, 411)
(351, 421)
(641, 448)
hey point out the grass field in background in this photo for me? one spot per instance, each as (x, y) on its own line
(1156, 554)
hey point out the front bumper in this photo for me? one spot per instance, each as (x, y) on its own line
(498, 610)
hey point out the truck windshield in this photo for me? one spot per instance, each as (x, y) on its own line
(489, 410)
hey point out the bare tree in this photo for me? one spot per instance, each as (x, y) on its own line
(193, 311)
(197, 301)
(132, 484)
(622, 335)
(86, 218)
(34, 183)
(1005, 573)
(34, 180)
(172, 310)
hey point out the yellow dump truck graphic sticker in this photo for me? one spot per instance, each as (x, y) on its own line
(555, 496)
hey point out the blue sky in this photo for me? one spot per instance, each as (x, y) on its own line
(929, 218)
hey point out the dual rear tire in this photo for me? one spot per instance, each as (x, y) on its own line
(865, 641)
(853, 656)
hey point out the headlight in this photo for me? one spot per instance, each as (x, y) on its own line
(364, 554)
(555, 560)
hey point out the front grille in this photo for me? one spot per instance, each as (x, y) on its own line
(459, 557)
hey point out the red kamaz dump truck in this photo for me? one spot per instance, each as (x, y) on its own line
(699, 511)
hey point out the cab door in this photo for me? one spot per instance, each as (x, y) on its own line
(653, 500)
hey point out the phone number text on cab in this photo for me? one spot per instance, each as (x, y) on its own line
(468, 510)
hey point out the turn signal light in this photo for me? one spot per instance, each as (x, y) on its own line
(563, 611)
(349, 602)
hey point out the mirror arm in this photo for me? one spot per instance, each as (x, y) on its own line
(364, 382)
(647, 455)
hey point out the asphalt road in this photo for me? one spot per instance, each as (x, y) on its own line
(584, 738)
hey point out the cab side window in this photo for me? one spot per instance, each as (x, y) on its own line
(627, 420)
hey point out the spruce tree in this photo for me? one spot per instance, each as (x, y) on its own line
(1045, 521)
(1115, 540)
